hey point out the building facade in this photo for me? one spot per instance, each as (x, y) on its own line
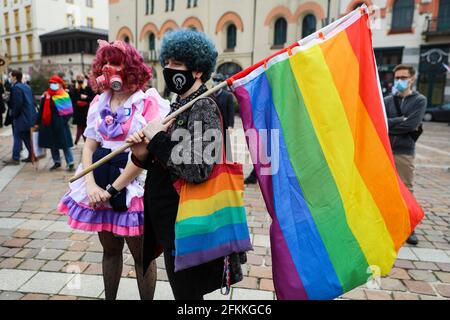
(415, 32)
(22, 22)
(245, 31)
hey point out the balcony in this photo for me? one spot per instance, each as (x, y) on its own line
(437, 27)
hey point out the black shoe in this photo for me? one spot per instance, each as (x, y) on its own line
(71, 168)
(27, 160)
(413, 239)
(55, 166)
(11, 162)
(251, 179)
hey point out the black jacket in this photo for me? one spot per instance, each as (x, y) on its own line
(401, 126)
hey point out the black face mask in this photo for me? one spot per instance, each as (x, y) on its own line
(178, 81)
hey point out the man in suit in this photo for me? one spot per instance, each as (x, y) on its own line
(23, 113)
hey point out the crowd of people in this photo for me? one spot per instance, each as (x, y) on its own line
(114, 106)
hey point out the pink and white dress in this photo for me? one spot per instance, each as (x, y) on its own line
(139, 109)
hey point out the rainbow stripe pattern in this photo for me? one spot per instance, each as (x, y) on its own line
(63, 103)
(211, 220)
(340, 211)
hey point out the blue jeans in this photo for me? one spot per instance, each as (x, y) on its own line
(67, 154)
(20, 136)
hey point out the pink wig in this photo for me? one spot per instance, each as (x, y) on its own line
(136, 73)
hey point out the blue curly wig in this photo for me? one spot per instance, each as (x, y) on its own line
(193, 48)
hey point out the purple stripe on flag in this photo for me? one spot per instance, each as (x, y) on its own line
(199, 257)
(285, 274)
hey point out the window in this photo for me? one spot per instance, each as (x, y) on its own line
(126, 39)
(16, 20)
(90, 3)
(151, 41)
(149, 7)
(309, 25)
(6, 17)
(90, 22)
(19, 48)
(70, 20)
(280, 35)
(30, 46)
(170, 5)
(229, 69)
(191, 3)
(231, 37)
(402, 15)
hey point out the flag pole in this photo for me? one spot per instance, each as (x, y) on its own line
(128, 144)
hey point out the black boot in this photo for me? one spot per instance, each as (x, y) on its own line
(252, 178)
(55, 166)
(413, 239)
(71, 168)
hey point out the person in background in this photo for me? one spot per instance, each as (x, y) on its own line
(2, 103)
(82, 96)
(54, 114)
(225, 101)
(405, 110)
(23, 115)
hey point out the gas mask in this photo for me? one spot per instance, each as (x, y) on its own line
(111, 78)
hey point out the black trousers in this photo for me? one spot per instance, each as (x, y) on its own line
(194, 283)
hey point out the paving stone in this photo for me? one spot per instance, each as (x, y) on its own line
(404, 264)
(246, 294)
(93, 257)
(255, 260)
(420, 287)
(32, 264)
(53, 266)
(443, 290)
(261, 272)
(27, 253)
(431, 255)
(378, 295)
(12, 280)
(58, 297)
(11, 223)
(406, 253)
(34, 296)
(49, 254)
(22, 233)
(163, 291)
(261, 240)
(35, 225)
(7, 295)
(128, 290)
(94, 268)
(405, 296)
(37, 244)
(80, 285)
(71, 256)
(59, 235)
(422, 275)
(443, 276)
(15, 243)
(79, 246)
(444, 266)
(426, 265)
(40, 235)
(248, 283)
(217, 295)
(356, 294)
(10, 263)
(392, 285)
(80, 236)
(11, 252)
(47, 282)
(59, 244)
(266, 285)
(397, 273)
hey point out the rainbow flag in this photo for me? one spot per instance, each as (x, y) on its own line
(340, 211)
(63, 103)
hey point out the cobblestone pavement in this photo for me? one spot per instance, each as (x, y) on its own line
(42, 258)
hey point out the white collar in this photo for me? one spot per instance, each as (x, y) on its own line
(135, 98)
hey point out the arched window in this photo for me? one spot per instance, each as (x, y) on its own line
(309, 25)
(444, 15)
(402, 15)
(231, 36)
(280, 35)
(151, 41)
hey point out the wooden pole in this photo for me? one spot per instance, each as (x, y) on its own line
(128, 145)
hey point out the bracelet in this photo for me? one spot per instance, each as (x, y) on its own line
(112, 191)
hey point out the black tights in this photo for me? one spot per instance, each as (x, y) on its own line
(80, 131)
(113, 265)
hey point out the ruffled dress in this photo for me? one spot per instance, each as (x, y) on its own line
(140, 109)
